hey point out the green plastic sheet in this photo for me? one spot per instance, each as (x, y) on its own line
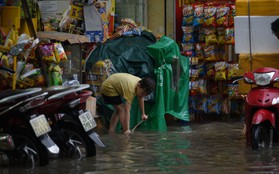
(160, 59)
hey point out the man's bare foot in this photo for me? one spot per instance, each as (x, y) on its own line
(127, 132)
(111, 132)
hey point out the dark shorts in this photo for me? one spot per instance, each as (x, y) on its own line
(113, 100)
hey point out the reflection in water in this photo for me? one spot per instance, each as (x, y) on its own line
(216, 147)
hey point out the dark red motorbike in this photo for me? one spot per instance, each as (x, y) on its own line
(72, 126)
(24, 138)
(262, 108)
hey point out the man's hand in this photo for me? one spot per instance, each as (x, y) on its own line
(144, 117)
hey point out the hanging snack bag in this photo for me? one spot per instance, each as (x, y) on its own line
(210, 70)
(188, 15)
(210, 53)
(222, 16)
(202, 86)
(214, 105)
(199, 51)
(232, 70)
(56, 75)
(188, 49)
(221, 32)
(232, 15)
(209, 16)
(48, 52)
(198, 14)
(221, 55)
(229, 37)
(76, 12)
(188, 34)
(202, 105)
(210, 36)
(201, 34)
(59, 51)
(220, 69)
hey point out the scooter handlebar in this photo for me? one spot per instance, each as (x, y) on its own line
(7, 69)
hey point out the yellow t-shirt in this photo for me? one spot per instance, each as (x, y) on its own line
(122, 84)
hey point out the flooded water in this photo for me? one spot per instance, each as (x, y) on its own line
(214, 147)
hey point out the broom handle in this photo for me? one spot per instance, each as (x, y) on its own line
(137, 125)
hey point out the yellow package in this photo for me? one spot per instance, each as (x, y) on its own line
(76, 12)
(59, 52)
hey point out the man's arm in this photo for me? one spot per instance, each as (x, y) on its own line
(127, 114)
(141, 105)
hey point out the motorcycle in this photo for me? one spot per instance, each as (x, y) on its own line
(24, 138)
(72, 126)
(262, 108)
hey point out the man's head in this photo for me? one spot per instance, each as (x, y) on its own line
(275, 27)
(145, 86)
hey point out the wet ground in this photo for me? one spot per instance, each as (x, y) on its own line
(212, 147)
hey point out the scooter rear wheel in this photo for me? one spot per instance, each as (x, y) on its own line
(260, 137)
(77, 143)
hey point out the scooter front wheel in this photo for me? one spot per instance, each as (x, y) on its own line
(261, 137)
(29, 152)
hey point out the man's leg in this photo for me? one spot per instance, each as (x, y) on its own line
(113, 122)
(119, 113)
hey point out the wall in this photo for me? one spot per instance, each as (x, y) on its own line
(156, 17)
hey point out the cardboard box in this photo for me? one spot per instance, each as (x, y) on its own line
(63, 37)
(258, 61)
(262, 38)
(257, 7)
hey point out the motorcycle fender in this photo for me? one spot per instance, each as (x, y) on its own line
(49, 144)
(95, 137)
(262, 115)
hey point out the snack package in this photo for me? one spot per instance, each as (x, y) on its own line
(188, 15)
(210, 53)
(222, 16)
(56, 75)
(188, 34)
(188, 49)
(220, 71)
(199, 51)
(232, 70)
(202, 105)
(48, 52)
(202, 86)
(76, 12)
(210, 36)
(209, 15)
(198, 14)
(221, 53)
(229, 37)
(221, 32)
(210, 70)
(232, 15)
(59, 51)
(233, 90)
(201, 34)
(214, 105)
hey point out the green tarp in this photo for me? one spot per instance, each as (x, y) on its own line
(160, 59)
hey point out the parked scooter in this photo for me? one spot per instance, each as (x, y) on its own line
(72, 126)
(21, 125)
(24, 138)
(262, 108)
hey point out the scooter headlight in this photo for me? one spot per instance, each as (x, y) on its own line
(263, 79)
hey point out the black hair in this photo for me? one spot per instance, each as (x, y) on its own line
(275, 26)
(148, 84)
